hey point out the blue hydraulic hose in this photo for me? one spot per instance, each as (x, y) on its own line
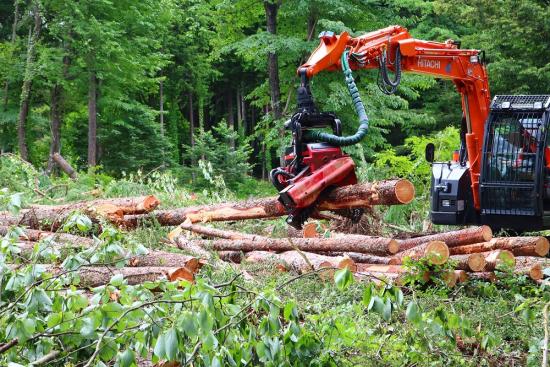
(340, 141)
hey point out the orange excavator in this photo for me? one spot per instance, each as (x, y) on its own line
(501, 173)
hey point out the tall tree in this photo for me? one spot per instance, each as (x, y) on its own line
(27, 83)
(271, 10)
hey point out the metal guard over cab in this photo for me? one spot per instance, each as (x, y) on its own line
(515, 171)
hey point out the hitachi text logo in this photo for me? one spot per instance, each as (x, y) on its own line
(430, 64)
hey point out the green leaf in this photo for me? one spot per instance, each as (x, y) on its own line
(378, 305)
(386, 314)
(188, 322)
(343, 278)
(127, 359)
(159, 349)
(171, 344)
(116, 280)
(413, 313)
(290, 312)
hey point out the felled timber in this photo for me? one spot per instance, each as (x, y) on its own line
(472, 262)
(519, 246)
(436, 252)
(452, 239)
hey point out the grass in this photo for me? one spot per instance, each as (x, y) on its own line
(495, 331)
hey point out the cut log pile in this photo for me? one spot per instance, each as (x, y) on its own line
(453, 256)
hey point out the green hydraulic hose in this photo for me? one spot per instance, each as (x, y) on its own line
(340, 141)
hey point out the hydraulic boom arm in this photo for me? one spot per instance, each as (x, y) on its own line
(444, 60)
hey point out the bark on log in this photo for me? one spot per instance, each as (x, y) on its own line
(450, 278)
(365, 258)
(497, 258)
(94, 276)
(487, 276)
(191, 247)
(461, 276)
(36, 235)
(51, 217)
(472, 262)
(531, 266)
(391, 192)
(64, 165)
(436, 252)
(211, 232)
(380, 278)
(301, 262)
(170, 259)
(452, 239)
(519, 246)
(231, 256)
(363, 244)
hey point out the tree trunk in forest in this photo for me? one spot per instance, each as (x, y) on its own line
(192, 129)
(391, 192)
(55, 127)
(436, 252)
(161, 113)
(271, 9)
(64, 165)
(27, 85)
(13, 37)
(370, 245)
(230, 115)
(519, 246)
(92, 120)
(452, 239)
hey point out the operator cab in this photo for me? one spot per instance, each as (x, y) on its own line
(515, 171)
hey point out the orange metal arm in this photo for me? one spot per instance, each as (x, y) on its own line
(443, 60)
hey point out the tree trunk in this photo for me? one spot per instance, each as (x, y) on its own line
(67, 239)
(231, 256)
(163, 258)
(436, 252)
(497, 258)
(271, 9)
(55, 127)
(27, 85)
(487, 276)
(370, 245)
(64, 165)
(461, 276)
(13, 38)
(91, 277)
(473, 262)
(519, 246)
(390, 192)
(161, 113)
(92, 120)
(452, 239)
(230, 115)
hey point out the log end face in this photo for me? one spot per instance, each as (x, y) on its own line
(487, 233)
(404, 191)
(542, 246)
(393, 246)
(476, 262)
(150, 203)
(348, 263)
(535, 272)
(437, 252)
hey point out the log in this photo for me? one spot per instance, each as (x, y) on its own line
(472, 262)
(519, 246)
(36, 235)
(301, 262)
(497, 258)
(191, 247)
(380, 278)
(52, 217)
(231, 256)
(163, 259)
(64, 165)
(531, 266)
(210, 232)
(363, 244)
(436, 252)
(94, 276)
(365, 258)
(450, 278)
(391, 192)
(487, 276)
(461, 276)
(461, 237)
